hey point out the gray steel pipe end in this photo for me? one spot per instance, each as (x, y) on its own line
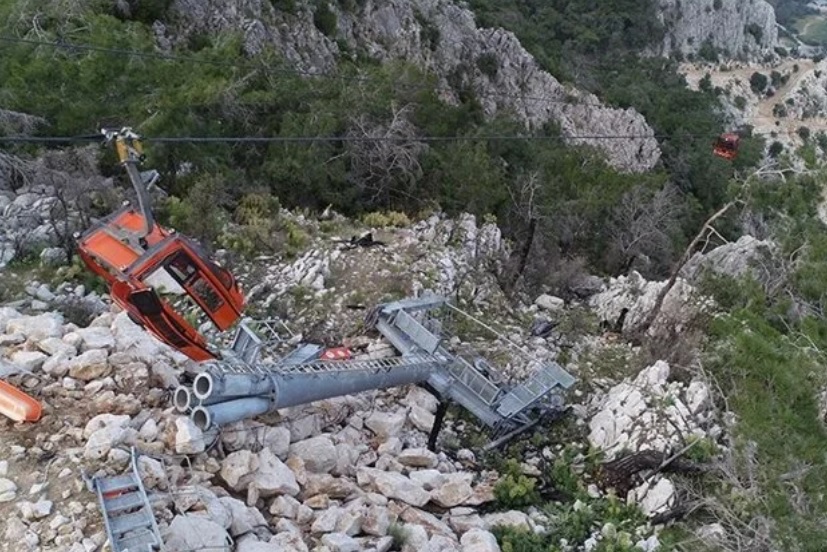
(203, 385)
(201, 418)
(182, 399)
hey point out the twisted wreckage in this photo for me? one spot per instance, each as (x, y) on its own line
(144, 264)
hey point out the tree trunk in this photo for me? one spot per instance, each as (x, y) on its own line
(619, 474)
(524, 253)
(687, 254)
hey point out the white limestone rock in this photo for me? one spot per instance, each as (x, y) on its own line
(421, 419)
(654, 498)
(386, 424)
(453, 492)
(339, 542)
(396, 485)
(189, 439)
(38, 327)
(90, 365)
(244, 518)
(273, 477)
(418, 396)
(549, 302)
(418, 458)
(55, 345)
(376, 521)
(29, 360)
(318, 453)
(96, 337)
(478, 540)
(237, 467)
(190, 532)
(8, 490)
(512, 518)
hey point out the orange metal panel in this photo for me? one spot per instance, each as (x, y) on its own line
(17, 405)
(109, 249)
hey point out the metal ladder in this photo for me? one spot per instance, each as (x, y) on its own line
(127, 513)
(533, 389)
(376, 365)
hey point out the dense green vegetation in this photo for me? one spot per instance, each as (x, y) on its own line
(767, 354)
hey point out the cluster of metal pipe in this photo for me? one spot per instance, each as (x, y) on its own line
(219, 399)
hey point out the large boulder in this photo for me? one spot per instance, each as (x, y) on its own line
(318, 453)
(36, 328)
(273, 477)
(191, 532)
(394, 485)
(478, 540)
(90, 365)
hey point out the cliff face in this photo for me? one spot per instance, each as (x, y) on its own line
(441, 37)
(739, 28)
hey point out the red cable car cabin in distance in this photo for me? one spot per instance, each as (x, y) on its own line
(131, 265)
(726, 146)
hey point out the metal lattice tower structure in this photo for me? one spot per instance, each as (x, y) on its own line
(423, 330)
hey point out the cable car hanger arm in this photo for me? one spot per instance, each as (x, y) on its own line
(130, 152)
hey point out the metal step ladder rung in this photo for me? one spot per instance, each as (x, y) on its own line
(121, 503)
(118, 483)
(139, 542)
(130, 522)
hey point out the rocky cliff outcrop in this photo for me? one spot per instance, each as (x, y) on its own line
(438, 36)
(739, 28)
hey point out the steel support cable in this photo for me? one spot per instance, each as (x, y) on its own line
(328, 139)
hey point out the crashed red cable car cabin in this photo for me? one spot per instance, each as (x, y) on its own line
(726, 146)
(139, 258)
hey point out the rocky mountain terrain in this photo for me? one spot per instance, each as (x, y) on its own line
(344, 474)
(440, 36)
(684, 293)
(736, 28)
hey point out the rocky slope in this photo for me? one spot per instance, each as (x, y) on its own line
(344, 474)
(440, 36)
(739, 28)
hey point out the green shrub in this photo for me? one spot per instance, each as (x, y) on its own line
(758, 82)
(708, 52)
(395, 219)
(755, 30)
(297, 238)
(288, 6)
(514, 489)
(325, 20)
(399, 534)
(776, 148)
(704, 449)
(488, 63)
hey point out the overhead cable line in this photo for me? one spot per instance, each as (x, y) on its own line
(327, 139)
(314, 139)
(61, 44)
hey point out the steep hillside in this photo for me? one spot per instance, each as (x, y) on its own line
(440, 37)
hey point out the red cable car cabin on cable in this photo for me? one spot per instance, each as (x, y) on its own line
(726, 146)
(136, 257)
